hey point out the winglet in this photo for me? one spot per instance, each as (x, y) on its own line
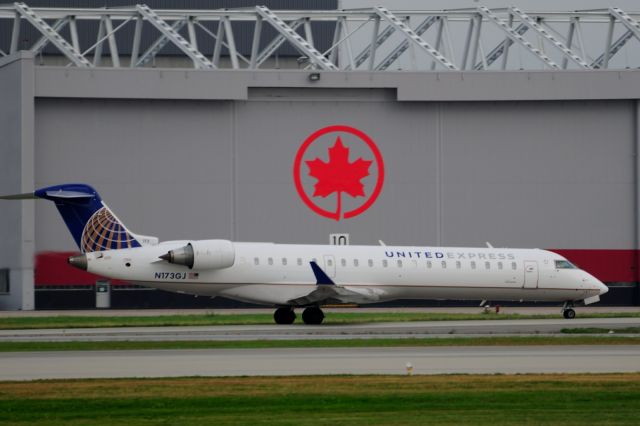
(321, 277)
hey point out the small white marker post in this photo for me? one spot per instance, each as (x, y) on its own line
(409, 369)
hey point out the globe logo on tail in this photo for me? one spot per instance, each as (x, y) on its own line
(103, 231)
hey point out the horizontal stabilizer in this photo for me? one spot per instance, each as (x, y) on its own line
(69, 194)
(27, 196)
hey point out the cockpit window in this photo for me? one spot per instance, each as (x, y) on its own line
(565, 264)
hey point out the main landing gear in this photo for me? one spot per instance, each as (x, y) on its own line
(567, 310)
(312, 315)
(284, 315)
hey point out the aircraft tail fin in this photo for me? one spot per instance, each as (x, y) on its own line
(92, 224)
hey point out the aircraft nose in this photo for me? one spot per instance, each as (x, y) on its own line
(603, 288)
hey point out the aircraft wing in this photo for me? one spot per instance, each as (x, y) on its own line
(327, 291)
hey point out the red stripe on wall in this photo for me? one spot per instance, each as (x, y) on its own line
(606, 265)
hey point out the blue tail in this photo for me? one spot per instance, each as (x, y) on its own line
(93, 226)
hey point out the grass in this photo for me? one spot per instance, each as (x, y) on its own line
(12, 323)
(596, 330)
(607, 399)
(351, 343)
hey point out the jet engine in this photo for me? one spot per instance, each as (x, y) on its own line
(204, 254)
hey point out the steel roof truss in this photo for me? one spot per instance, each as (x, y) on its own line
(113, 47)
(517, 38)
(158, 44)
(404, 45)
(53, 36)
(295, 39)
(411, 36)
(500, 50)
(614, 48)
(546, 35)
(15, 33)
(180, 42)
(626, 20)
(382, 37)
(274, 44)
(215, 37)
(42, 42)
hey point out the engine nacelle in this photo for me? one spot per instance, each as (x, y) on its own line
(203, 254)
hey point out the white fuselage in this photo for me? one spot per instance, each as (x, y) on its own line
(274, 274)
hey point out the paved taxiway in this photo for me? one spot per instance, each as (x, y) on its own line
(331, 332)
(239, 362)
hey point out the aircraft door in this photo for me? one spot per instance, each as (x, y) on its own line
(330, 265)
(530, 274)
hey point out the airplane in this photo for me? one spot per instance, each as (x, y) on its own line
(292, 276)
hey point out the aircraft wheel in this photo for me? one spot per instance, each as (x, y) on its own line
(312, 315)
(284, 316)
(569, 313)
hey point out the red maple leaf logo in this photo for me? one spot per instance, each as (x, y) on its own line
(338, 175)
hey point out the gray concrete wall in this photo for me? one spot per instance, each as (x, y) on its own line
(520, 174)
(16, 176)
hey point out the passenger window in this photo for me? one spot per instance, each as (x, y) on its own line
(487, 265)
(329, 262)
(370, 263)
(343, 262)
(284, 261)
(444, 264)
(499, 265)
(256, 261)
(270, 261)
(399, 263)
(473, 264)
(458, 264)
(299, 262)
(429, 264)
(385, 263)
(514, 266)
(356, 263)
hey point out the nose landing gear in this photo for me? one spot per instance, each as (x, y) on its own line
(567, 310)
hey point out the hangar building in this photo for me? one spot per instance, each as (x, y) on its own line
(483, 125)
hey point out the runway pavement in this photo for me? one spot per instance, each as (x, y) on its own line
(332, 332)
(276, 362)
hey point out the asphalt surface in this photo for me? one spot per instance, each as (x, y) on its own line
(330, 332)
(277, 362)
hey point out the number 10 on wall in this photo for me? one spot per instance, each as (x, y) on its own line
(339, 239)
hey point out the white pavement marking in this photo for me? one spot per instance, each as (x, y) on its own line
(239, 362)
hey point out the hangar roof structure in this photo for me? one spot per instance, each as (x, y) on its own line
(370, 39)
